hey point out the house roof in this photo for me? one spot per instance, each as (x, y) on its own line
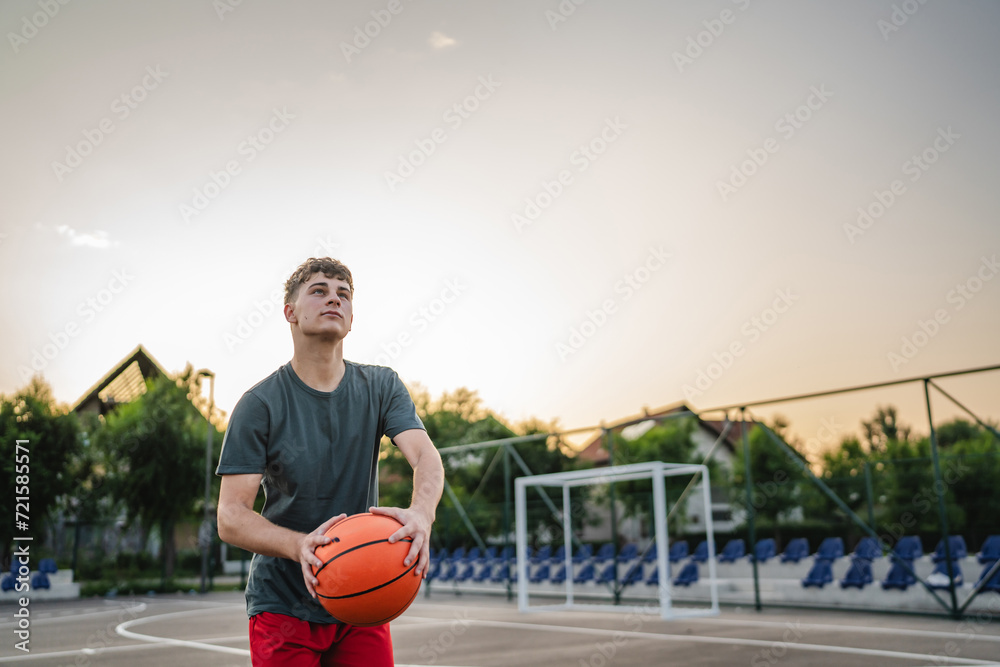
(595, 451)
(123, 383)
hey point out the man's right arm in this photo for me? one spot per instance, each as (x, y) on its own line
(240, 526)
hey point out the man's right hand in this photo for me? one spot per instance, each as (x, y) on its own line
(307, 551)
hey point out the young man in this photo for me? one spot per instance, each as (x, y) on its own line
(309, 433)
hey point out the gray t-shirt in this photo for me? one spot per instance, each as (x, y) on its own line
(318, 454)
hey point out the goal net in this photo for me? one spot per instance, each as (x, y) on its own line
(656, 471)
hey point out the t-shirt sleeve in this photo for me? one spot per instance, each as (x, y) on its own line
(399, 413)
(244, 448)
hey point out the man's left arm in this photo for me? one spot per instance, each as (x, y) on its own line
(428, 484)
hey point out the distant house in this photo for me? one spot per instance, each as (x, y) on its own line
(122, 384)
(708, 443)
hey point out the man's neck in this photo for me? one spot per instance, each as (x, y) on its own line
(320, 367)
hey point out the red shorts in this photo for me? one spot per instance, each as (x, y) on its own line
(277, 640)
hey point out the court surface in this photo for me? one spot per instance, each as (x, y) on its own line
(471, 630)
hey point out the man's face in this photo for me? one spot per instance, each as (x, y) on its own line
(322, 307)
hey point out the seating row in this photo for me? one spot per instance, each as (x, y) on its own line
(901, 573)
(39, 580)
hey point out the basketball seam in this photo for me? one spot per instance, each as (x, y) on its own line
(354, 595)
(355, 547)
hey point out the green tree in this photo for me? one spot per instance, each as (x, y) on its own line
(154, 450)
(777, 481)
(671, 441)
(44, 476)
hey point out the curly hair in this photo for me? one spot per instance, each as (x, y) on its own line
(330, 268)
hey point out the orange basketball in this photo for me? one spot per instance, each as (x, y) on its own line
(363, 580)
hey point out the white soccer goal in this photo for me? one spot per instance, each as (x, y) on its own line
(655, 470)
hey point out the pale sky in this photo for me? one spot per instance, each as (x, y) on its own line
(576, 215)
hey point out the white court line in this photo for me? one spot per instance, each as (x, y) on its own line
(820, 648)
(70, 616)
(123, 630)
(969, 636)
(784, 624)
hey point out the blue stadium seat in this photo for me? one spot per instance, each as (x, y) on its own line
(543, 553)
(859, 574)
(39, 580)
(938, 579)
(457, 555)
(560, 575)
(634, 574)
(867, 549)
(506, 555)
(733, 551)
(991, 550)
(448, 571)
(560, 554)
(8, 583)
(540, 574)
(908, 548)
(48, 566)
(957, 545)
(606, 552)
(654, 578)
(473, 555)
(650, 555)
(678, 551)
(795, 550)
(898, 576)
(586, 573)
(583, 553)
(439, 555)
(820, 575)
(700, 554)
(607, 574)
(490, 555)
(688, 575)
(466, 572)
(485, 573)
(629, 552)
(764, 551)
(500, 572)
(830, 549)
(994, 583)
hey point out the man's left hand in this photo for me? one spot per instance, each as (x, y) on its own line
(416, 525)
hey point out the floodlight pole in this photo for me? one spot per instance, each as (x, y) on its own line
(205, 534)
(751, 510)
